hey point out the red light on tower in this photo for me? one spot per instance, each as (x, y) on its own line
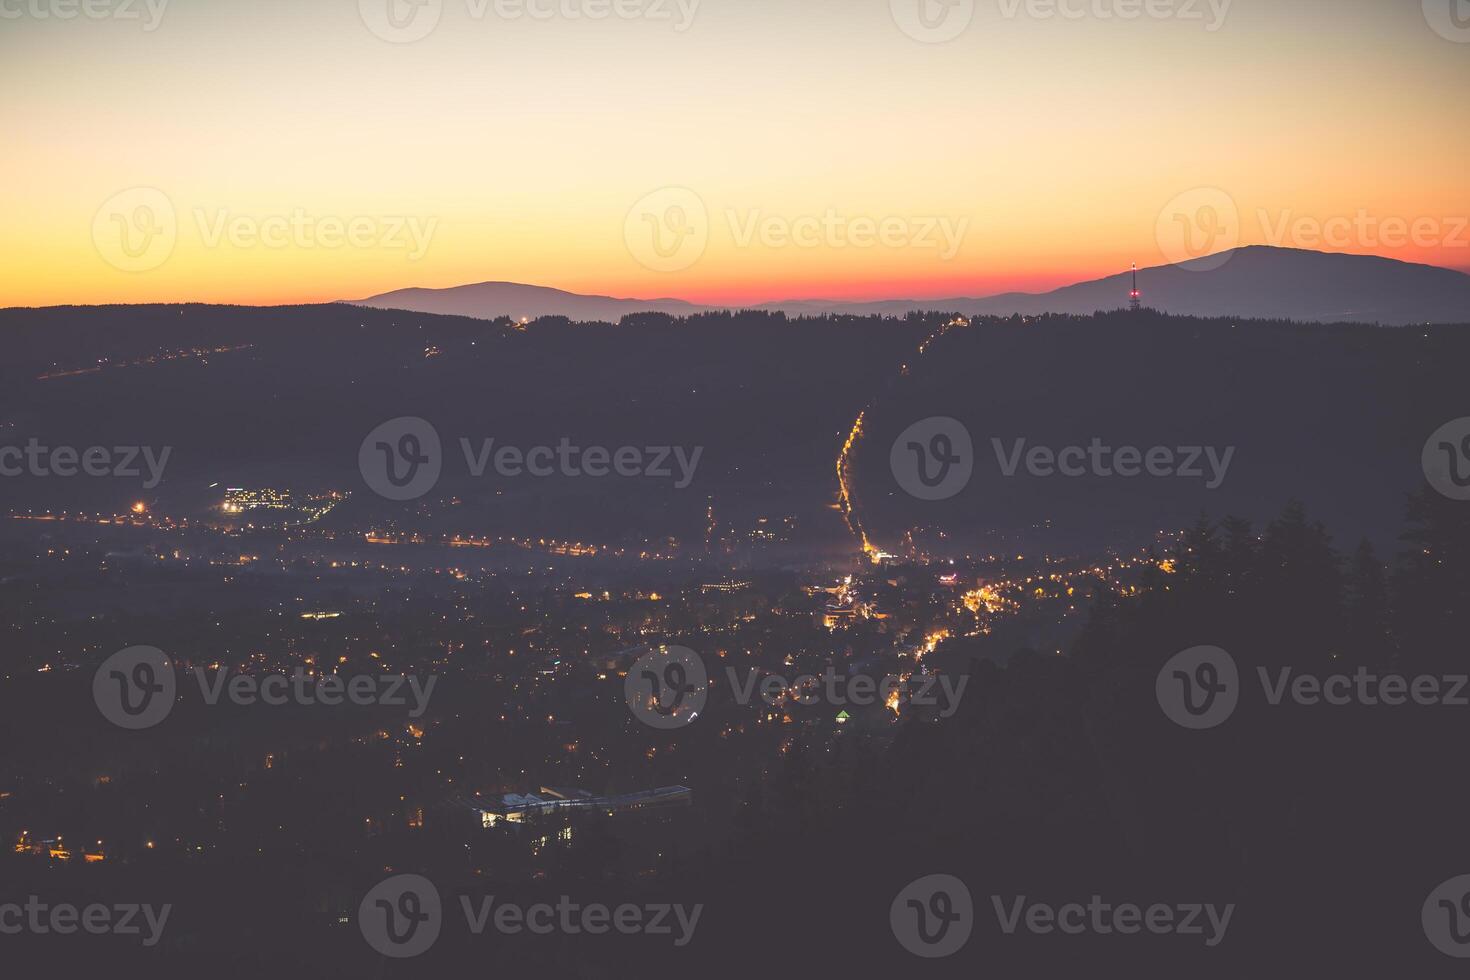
(1135, 297)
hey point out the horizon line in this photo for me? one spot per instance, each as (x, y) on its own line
(702, 306)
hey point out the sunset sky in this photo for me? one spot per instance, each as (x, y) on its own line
(1053, 149)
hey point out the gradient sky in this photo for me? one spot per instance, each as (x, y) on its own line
(1061, 143)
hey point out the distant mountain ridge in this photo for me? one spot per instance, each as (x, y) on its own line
(488, 300)
(1254, 281)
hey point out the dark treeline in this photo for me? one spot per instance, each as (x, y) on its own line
(1060, 778)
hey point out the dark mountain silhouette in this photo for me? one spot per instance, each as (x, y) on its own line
(488, 300)
(1263, 281)
(1256, 281)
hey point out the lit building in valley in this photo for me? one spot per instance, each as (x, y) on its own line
(517, 808)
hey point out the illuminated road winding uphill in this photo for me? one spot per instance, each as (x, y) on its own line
(846, 498)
